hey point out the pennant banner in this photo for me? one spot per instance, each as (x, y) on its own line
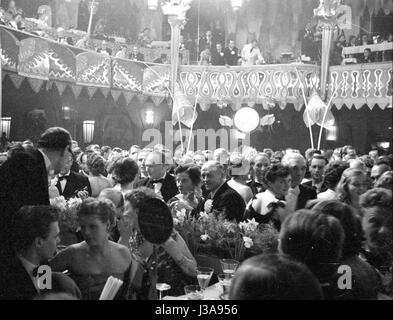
(16, 80)
(76, 90)
(142, 98)
(116, 95)
(35, 84)
(91, 91)
(157, 100)
(61, 86)
(128, 96)
(105, 92)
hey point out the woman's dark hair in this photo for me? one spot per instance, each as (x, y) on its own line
(138, 197)
(349, 221)
(193, 171)
(314, 238)
(124, 171)
(333, 173)
(104, 209)
(31, 222)
(96, 164)
(274, 277)
(274, 172)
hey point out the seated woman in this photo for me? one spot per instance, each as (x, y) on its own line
(94, 260)
(274, 277)
(365, 283)
(188, 181)
(315, 239)
(96, 167)
(376, 205)
(124, 174)
(176, 265)
(269, 206)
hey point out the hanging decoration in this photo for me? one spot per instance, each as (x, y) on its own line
(35, 84)
(268, 120)
(16, 80)
(183, 109)
(316, 111)
(225, 121)
(91, 91)
(61, 86)
(76, 90)
(116, 95)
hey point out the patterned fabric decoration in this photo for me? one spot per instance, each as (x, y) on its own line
(127, 75)
(9, 50)
(93, 69)
(34, 58)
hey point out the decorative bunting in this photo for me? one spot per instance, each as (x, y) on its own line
(61, 86)
(16, 80)
(142, 98)
(105, 92)
(128, 96)
(91, 91)
(35, 84)
(116, 95)
(76, 90)
(49, 85)
(157, 100)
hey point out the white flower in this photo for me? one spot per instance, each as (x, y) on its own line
(204, 216)
(204, 237)
(249, 226)
(181, 215)
(59, 202)
(208, 205)
(248, 243)
(176, 221)
(73, 202)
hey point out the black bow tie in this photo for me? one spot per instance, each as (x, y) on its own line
(62, 178)
(159, 180)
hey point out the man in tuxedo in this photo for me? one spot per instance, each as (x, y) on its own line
(159, 179)
(231, 54)
(70, 183)
(261, 163)
(24, 178)
(317, 171)
(34, 243)
(298, 194)
(136, 55)
(218, 57)
(222, 197)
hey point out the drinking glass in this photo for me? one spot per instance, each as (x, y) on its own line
(162, 287)
(225, 279)
(193, 292)
(229, 266)
(204, 275)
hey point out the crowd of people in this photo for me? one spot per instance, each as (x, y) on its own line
(331, 208)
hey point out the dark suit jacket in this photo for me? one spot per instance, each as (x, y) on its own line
(231, 56)
(139, 56)
(15, 283)
(23, 181)
(309, 184)
(75, 182)
(168, 190)
(256, 187)
(306, 193)
(218, 59)
(229, 202)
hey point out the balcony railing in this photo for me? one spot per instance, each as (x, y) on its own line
(362, 84)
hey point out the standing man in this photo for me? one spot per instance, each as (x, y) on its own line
(72, 184)
(317, 171)
(298, 194)
(136, 55)
(159, 179)
(251, 54)
(231, 54)
(218, 57)
(25, 177)
(261, 163)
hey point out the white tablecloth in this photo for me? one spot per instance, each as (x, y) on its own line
(211, 293)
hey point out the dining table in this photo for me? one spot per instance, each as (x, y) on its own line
(214, 292)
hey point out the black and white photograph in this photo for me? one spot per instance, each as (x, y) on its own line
(216, 150)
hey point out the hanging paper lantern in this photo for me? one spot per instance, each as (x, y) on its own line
(315, 112)
(246, 120)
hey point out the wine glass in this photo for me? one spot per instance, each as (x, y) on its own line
(162, 287)
(229, 266)
(204, 275)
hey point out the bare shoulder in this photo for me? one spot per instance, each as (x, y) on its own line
(121, 250)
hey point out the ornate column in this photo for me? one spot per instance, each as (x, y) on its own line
(176, 27)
